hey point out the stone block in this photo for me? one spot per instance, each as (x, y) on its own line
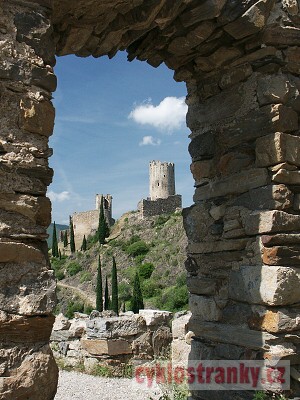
(235, 75)
(99, 347)
(278, 148)
(231, 334)
(21, 329)
(13, 252)
(259, 123)
(34, 369)
(217, 246)
(180, 326)
(280, 239)
(161, 341)
(281, 255)
(293, 60)
(273, 89)
(37, 117)
(234, 184)
(204, 308)
(270, 285)
(274, 320)
(296, 205)
(202, 146)
(202, 169)
(61, 323)
(78, 327)
(27, 289)
(252, 21)
(271, 197)
(116, 327)
(263, 222)
(201, 285)
(180, 352)
(156, 317)
(287, 177)
(142, 347)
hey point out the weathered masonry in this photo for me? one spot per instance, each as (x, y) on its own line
(241, 63)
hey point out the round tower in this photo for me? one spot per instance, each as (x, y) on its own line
(162, 180)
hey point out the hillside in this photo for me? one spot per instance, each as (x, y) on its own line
(155, 246)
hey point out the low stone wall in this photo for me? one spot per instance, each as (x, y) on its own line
(149, 208)
(103, 338)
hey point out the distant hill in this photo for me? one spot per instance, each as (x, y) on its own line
(155, 247)
(59, 228)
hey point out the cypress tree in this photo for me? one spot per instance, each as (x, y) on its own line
(59, 254)
(137, 302)
(72, 239)
(103, 229)
(84, 244)
(99, 290)
(54, 242)
(106, 296)
(66, 239)
(114, 288)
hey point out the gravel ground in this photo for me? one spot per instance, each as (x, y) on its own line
(76, 386)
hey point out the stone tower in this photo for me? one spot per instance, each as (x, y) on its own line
(162, 180)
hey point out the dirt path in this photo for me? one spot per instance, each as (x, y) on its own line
(87, 298)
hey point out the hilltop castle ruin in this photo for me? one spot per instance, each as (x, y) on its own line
(163, 198)
(86, 222)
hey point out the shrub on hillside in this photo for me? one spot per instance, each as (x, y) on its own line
(85, 276)
(145, 270)
(74, 306)
(59, 275)
(137, 248)
(150, 289)
(73, 268)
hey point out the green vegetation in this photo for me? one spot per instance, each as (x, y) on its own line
(73, 268)
(137, 249)
(114, 288)
(85, 276)
(261, 395)
(137, 302)
(174, 298)
(145, 270)
(65, 239)
(72, 240)
(161, 220)
(106, 296)
(84, 244)
(74, 306)
(54, 242)
(103, 229)
(99, 290)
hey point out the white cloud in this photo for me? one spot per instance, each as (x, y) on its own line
(59, 197)
(169, 115)
(150, 140)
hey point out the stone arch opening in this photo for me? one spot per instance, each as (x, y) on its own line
(241, 64)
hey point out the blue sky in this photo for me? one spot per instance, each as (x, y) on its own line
(112, 118)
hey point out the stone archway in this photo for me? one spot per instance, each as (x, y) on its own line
(241, 63)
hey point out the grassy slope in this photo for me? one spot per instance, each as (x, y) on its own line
(166, 240)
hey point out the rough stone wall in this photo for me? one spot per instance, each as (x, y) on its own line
(84, 223)
(129, 339)
(27, 286)
(162, 180)
(243, 251)
(149, 208)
